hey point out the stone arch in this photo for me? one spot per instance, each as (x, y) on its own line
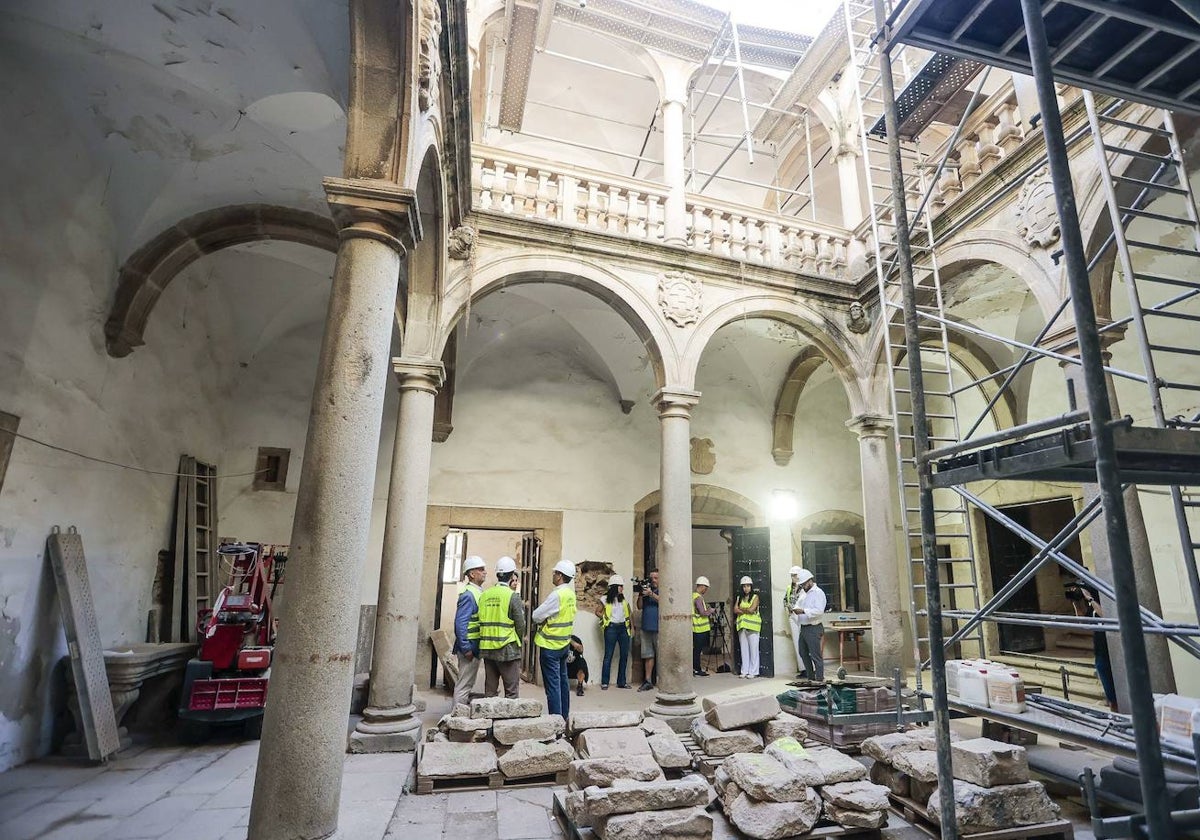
(711, 505)
(783, 425)
(817, 328)
(421, 295)
(149, 270)
(532, 267)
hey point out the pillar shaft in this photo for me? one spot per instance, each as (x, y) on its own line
(298, 783)
(675, 222)
(389, 723)
(847, 166)
(676, 701)
(883, 573)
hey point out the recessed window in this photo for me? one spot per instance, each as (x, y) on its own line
(271, 469)
(456, 547)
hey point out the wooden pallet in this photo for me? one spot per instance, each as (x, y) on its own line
(916, 814)
(489, 781)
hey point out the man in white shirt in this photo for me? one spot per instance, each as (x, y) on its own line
(809, 608)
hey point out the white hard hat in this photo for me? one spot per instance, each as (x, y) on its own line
(745, 579)
(805, 575)
(702, 581)
(505, 564)
(565, 568)
(616, 580)
(795, 570)
(472, 562)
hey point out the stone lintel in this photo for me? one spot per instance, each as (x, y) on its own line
(375, 209)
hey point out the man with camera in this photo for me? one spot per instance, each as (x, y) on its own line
(1084, 601)
(647, 602)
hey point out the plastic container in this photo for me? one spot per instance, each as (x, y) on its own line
(1006, 691)
(1175, 719)
(954, 669)
(973, 686)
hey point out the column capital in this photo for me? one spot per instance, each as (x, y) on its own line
(1065, 339)
(676, 402)
(378, 210)
(417, 374)
(870, 425)
(847, 149)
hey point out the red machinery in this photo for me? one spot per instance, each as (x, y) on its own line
(227, 681)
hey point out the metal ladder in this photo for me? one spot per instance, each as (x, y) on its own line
(1144, 155)
(957, 571)
(195, 546)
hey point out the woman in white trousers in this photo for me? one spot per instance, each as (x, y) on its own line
(749, 624)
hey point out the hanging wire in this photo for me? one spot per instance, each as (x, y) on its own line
(57, 448)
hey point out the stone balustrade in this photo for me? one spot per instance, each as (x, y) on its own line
(506, 182)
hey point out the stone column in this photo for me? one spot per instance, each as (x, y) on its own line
(676, 701)
(298, 783)
(1158, 651)
(883, 572)
(674, 94)
(389, 723)
(847, 166)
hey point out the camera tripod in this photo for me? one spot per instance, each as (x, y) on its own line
(718, 642)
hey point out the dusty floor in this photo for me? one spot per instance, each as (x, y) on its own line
(167, 791)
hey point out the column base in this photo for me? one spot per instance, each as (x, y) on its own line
(678, 710)
(676, 241)
(386, 730)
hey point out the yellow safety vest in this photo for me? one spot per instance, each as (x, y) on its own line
(473, 623)
(749, 621)
(555, 633)
(700, 623)
(496, 629)
(607, 619)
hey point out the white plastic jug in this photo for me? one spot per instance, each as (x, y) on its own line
(1175, 716)
(954, 669)
(1006, 691)
(973, 686)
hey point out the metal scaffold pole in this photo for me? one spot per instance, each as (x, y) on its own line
(1133, 646)
(933, 592)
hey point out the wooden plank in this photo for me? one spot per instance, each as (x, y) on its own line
(177, 583)
(83, 643)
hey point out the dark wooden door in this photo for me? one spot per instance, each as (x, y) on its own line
(1009, 553)
(530, 566)
(752, 556)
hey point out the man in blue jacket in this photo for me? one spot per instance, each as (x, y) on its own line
(466, 629)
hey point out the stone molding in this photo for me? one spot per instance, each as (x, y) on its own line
(417, 374)
(870, 425)
(378, 210)
(675, 402)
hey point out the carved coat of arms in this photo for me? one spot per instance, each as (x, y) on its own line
(1037, 214)
(680, 296)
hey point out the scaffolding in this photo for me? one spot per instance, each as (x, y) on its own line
(1131, 55)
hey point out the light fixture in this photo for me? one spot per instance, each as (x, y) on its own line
(784, 505)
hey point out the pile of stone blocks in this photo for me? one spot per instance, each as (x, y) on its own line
(787, 789)
(741, 721)
(496, 734)
(618, 785)
(992, 788)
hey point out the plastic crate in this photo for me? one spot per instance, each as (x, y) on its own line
(235, 693)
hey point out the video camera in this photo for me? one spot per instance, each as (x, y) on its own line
(640, 583)
(1074, 592)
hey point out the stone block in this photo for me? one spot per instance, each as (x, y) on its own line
(765, 779)
(656, 726)
(602, 743)
(576, 807)
(816, 765)
(633, 797)
(890, 778)
(543, 728)
(979, 809)
(669, 751)
(465, 730)
(581, 721)
(602, 772)
(918, 764)
(856, 796)
(885, 747)
(794, 756)
(739, 709)
(775, 820)
(447, 760)
(503, 708)
(784, 725)
(988, 763)
(536, 758)
(855, 819)
(461, 710)
(676, 824)
(920, 791)
(718, 743)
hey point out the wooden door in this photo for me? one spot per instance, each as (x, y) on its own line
(752, 556)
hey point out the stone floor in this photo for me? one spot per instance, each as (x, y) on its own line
(168, 791)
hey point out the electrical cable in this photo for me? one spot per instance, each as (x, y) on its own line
(57, 448)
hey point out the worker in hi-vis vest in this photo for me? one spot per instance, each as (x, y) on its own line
(748, 621)
(701, 626)
(555, 618)
(466, 628)
(501, 627)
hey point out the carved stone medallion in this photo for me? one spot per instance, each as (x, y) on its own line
(680, 297)
(461, 243)
(857, 320)
(430, 66)
(704, 459)
(1037, 214)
